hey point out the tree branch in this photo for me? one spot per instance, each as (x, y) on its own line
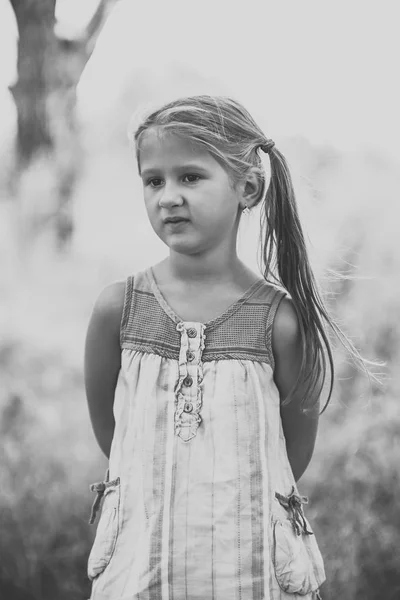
(96, 24)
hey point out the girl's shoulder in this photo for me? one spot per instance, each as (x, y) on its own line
(286, 322)
(109, 305)
(286, 335)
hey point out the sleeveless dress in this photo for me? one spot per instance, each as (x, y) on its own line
(200, 502)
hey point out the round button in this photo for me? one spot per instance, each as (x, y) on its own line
(188, 407)
(192, 332)
(189, 356)
(188, 381)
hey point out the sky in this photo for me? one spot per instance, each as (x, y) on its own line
(327, 71)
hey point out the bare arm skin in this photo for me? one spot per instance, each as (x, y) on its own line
(103, 362)
(300, 430)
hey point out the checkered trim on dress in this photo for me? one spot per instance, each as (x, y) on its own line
(243, 332)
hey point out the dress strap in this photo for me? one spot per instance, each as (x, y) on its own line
(126, 312)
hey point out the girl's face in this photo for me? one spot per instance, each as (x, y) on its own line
(181, 179)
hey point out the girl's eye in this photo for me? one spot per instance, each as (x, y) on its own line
(191, 177)
(155, 182)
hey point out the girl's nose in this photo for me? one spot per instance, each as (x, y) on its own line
(170, 196)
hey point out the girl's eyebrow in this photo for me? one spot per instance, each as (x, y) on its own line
(179, 169)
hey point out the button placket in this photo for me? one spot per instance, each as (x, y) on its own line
(188, 394)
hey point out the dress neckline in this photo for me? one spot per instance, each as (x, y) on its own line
(213, 322)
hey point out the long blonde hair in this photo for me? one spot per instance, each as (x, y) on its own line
(231, 135)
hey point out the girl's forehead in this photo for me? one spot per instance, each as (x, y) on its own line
(156, 141)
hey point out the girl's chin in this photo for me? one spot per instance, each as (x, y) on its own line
(182, 246)
(178, 238)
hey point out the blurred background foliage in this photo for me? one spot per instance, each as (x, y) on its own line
(72, 220)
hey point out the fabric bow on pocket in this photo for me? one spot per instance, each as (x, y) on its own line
(108, 526)
(298, 564)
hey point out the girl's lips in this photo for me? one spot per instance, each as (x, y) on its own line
(180, 222)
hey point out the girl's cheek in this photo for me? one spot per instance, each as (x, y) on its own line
(148, 199)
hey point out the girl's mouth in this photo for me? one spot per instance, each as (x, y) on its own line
(176, 222)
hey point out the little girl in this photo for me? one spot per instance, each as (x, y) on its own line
(203, 379)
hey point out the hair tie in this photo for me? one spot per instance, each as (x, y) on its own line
(267, 147)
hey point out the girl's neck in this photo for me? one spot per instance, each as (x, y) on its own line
(191, 270)
(196, 283)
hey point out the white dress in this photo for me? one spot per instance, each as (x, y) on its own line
(201, 503)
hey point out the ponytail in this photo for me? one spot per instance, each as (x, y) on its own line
(285, 258)
(228, 131)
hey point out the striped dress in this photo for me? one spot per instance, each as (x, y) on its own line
(200, 502)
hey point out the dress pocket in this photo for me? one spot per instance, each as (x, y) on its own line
(107, 528)
(298, 564)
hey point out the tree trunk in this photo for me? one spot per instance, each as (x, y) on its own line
(48, 150)
(35, 20)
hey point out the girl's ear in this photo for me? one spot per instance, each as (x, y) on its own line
(252, 188)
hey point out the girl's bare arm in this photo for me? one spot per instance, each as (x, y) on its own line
(103, 362)
(300, 429)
